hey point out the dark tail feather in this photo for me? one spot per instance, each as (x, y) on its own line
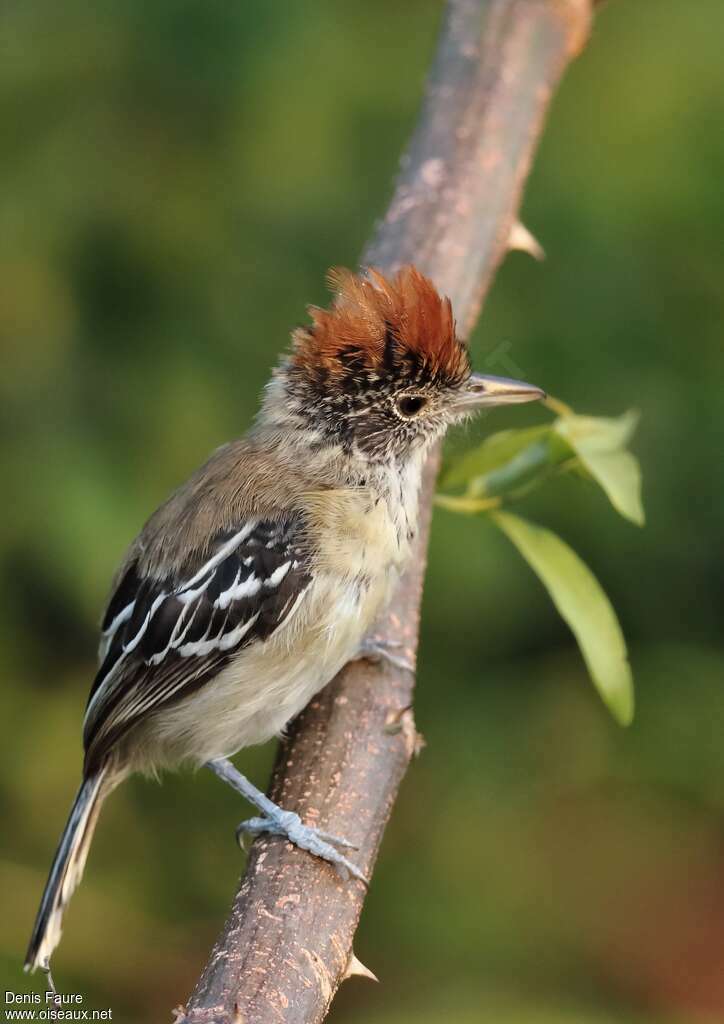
(67, 870)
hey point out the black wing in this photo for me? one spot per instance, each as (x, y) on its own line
(164, 637)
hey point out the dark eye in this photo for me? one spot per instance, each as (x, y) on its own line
(410, 405)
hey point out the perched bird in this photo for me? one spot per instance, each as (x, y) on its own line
(258, 579)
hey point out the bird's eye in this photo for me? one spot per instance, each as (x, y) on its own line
(410, 405)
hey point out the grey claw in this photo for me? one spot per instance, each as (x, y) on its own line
(336, 840)
(305, 837)
(377, 651)
(251, 827)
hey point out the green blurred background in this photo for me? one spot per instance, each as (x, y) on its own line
(176, 177)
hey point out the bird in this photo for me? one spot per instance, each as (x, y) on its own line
(260, 577)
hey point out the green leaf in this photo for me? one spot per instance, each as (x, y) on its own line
(602, 433)
(510, 463)
(528, 468)
(619, 475)
(599, 444)
(578, 596)
(495, 451)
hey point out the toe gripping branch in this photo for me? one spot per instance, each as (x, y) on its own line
(378, 650)
(275, 821)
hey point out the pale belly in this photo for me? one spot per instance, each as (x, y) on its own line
(267, 684)
(362, 549)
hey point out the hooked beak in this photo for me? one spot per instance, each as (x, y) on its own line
(482, 390)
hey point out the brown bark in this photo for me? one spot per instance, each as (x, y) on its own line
(287, 943)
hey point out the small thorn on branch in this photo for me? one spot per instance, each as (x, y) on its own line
(522, 240)
(403, 721)
(355, 966)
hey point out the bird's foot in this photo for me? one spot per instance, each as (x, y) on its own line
(288, 824)
(50, 984)
(376, 649)
(278, 822)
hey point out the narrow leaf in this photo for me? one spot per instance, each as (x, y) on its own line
(578, 596)
(529, 468)
(495, 451)
(619, 475)
(599, 444)
(604, 433)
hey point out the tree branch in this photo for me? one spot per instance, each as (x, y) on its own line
(287, 943)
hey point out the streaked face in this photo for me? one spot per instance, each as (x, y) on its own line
(388, 410)
(382, 371)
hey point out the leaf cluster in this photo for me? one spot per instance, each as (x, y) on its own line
(505, 468)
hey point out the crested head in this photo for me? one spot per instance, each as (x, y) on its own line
(398, 326)
(381, 373)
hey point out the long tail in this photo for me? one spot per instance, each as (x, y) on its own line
(67, 869)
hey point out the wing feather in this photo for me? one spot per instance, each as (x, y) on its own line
(164, 637)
